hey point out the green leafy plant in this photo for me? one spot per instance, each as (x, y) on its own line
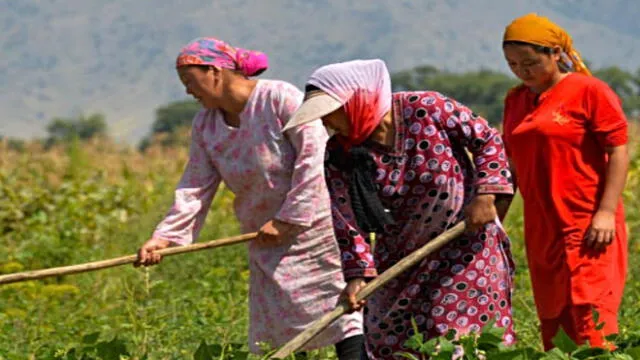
(488, 345)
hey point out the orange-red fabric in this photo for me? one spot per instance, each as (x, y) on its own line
(578, 323)
(557, 142)
(362, 111)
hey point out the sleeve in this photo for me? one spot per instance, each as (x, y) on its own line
(492, 173)
(606, 116)
(302, 202)
(355, 250)
(193, 194)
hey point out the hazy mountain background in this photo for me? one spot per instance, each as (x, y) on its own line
(66, 57)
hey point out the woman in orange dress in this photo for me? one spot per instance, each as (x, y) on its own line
(566, 135)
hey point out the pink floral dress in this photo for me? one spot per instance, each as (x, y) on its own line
(272, 175)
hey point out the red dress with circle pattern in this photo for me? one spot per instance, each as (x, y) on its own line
(425, 180)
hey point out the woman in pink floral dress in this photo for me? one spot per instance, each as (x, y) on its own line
(398, 167)
(280, 192)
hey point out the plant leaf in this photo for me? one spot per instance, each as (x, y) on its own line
(406, 355)
(91, 339)
(564, 342)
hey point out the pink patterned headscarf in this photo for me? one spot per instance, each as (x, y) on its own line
(364, 87)
(214, 52)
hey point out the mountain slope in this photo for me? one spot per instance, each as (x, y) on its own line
(116, 57)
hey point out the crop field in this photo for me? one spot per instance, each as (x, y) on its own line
(94, 201)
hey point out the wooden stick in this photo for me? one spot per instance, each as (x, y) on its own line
(129, 259)
(304, 337)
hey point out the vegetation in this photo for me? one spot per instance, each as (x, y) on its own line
(63, 130)
(171, 120)
(484, 90)
(81, 198)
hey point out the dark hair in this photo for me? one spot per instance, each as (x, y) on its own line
(537, 48)
(205, 68)
(540, 50)
(198, 66)
(310, 87)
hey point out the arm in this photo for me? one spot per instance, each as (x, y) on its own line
(503, 202)
(357, 259)
(193, 195)
(307, 180)
(300, 206)
(616, 178)
(492, 174)
(608, 122)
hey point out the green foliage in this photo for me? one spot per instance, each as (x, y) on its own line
(42, 225)
(488, 345)
(62, 130)
(81, 215)
(14, 144)
(175, 115)
(625, 84)
(483, 91)
(91, 349)
(170, 120)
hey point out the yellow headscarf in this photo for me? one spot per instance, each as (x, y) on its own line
(539, 30)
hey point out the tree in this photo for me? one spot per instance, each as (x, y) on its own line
(619, 80)
(12, 143)
(60, 129)
(81, 128)
(625, 84)
(175, 115)
(91, 126)
(483, 91)
(170, 122)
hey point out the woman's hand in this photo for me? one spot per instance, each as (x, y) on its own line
(274, 233)
(602, 230)
(147, 255)
(351, 290)
(480, 211)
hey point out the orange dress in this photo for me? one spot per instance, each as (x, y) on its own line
(557, 142)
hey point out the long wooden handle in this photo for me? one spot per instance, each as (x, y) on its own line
(402, 265)
(129, 259)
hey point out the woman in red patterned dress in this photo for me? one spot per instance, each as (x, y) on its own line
(398, 167)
